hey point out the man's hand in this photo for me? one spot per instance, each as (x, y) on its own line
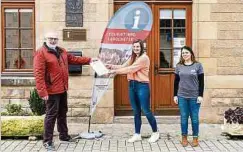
(94, 59)
(45, 98)
(176, 99)
(199, 99)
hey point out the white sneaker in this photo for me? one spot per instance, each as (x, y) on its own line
(135, 137)
(154, 137)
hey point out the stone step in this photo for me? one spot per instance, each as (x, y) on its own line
(159, 119)
(78, 120)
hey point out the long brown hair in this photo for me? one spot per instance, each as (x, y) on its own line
(133, 57)
(182, 61)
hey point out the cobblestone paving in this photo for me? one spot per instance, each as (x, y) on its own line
(116, 135)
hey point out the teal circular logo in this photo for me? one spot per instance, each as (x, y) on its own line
(137, 19)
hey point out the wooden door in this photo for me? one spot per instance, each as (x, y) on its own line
(171, 29)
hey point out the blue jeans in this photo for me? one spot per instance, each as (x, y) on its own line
(189, 107)
(139, 94)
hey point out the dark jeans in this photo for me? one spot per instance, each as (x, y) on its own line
(139, 94)
(189, 107)
(56, 108)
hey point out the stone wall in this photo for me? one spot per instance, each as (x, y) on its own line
(1, 44)
(16, 91)
(51, 16)
(96, 14)
(217, 39)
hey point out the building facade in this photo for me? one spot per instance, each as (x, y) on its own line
(213, 28)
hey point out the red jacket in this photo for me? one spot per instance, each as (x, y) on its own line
(51, 69)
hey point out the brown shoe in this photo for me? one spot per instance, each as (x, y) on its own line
(184, 141)
(195, 142)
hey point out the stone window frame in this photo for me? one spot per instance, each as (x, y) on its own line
(16, 5)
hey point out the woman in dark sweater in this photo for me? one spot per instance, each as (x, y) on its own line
(188, 92)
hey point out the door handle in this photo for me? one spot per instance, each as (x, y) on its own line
(156, 69)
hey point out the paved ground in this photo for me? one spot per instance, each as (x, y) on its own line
(116, 135)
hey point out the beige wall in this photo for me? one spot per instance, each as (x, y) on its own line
(1, 40)
(217, 39)
(0, 54)
(51, 16)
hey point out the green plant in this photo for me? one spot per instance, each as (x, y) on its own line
(37, 105)
(22, 127)
(4, 113)
(15, 110)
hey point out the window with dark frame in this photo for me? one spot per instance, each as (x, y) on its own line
(18, 38)
(74, 13)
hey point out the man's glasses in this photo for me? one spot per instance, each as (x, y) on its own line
(52, 39)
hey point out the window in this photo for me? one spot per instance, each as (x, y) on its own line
(74, 13)
(172, 36)
(18, 37)
(175, 32)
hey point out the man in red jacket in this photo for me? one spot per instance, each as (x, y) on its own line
(51, 75)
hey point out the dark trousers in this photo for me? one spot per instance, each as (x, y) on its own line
(56, 108)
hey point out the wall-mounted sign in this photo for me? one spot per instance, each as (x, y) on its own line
(74, 13)
(74, 35)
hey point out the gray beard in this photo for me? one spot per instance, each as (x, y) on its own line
(51, 46)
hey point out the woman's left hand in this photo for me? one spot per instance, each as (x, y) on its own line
(199, 99)
(112, 72)
(108, 66)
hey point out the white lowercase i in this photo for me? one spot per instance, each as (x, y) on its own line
(136, 20)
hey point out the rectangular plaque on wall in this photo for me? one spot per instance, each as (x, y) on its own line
(74, 34)
(74, 13)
